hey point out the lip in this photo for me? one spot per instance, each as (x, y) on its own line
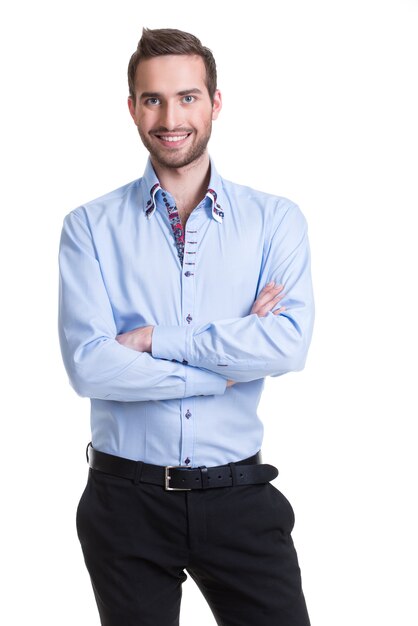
(169, 140)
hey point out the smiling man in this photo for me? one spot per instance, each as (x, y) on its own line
(156, 114)
(180, 292)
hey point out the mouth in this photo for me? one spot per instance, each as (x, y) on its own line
(172, 140)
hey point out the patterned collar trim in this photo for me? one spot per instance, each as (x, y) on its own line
(154, 186)
(217, 212)
(151, 203)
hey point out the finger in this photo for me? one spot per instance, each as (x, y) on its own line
(270, 304)
(262, 309)
(271, 285)
(266, 295)
(283, 308)
(263, 312)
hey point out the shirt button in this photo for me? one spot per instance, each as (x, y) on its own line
(189, 318)
(188, 414)
(188, 274)
(187, 461)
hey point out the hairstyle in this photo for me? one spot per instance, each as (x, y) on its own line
(161, 41)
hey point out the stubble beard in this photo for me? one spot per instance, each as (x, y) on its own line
(173, 160)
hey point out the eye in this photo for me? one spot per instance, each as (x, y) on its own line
(152, 101)
(188, 99)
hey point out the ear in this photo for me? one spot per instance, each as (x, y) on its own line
(217, 104)
(131, 107)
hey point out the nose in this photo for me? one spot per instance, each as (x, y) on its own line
(170, 115)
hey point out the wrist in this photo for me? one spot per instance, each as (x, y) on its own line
(149, 343)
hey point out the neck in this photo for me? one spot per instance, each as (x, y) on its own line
(188, 184)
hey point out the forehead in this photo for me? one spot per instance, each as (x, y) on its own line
(170, 73)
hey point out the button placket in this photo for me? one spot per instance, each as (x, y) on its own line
(195, 230)
(187, 431)
(189, 276)
(189, 265)
(189, 252)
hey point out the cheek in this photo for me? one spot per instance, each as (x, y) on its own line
(145, 120)
(201, 119)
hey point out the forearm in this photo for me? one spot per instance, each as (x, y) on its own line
(241, 349)
(106, 370)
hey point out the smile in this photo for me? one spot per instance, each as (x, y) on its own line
(172, 138)
(178, 138)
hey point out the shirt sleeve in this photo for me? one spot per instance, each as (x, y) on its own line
(248, 348)
(97, 365)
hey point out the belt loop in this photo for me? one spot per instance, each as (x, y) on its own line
(87, 451)
(138, 472)
(233, 473)
(204, 476)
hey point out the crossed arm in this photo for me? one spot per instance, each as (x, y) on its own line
(140, 339)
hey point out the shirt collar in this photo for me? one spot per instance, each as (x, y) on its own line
(151, 186)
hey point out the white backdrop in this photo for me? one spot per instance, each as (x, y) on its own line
(320, 105)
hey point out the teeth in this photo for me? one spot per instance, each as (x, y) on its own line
(174, 138)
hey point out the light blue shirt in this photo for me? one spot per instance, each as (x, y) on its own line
(119, 270)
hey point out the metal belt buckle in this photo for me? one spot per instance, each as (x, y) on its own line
(167, 478)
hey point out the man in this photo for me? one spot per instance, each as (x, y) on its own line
(179, 293)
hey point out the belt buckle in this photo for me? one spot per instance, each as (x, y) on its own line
(167, 477)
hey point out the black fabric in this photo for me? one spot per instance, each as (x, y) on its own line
(249, 472)
(140, 542)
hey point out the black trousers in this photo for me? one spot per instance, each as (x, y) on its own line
(138, 540)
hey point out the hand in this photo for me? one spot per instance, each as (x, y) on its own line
(229, 383)
(269, 297)
(139, 339)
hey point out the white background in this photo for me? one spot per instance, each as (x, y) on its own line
(320, 105)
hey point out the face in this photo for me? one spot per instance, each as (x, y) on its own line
(173, 111)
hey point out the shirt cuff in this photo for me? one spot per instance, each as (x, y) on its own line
(203, 383)
(170, 342)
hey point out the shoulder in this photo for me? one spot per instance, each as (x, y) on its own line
(108, 205)
(246, 200)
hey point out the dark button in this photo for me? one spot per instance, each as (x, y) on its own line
(187, 461)
(163, 194)
(189, 319)
(188, 414)
(188, 274)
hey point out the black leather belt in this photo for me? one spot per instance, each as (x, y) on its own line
(181, 478)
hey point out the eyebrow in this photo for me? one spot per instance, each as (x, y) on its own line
(157, 94)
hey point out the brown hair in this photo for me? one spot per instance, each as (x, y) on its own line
(161, 41)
